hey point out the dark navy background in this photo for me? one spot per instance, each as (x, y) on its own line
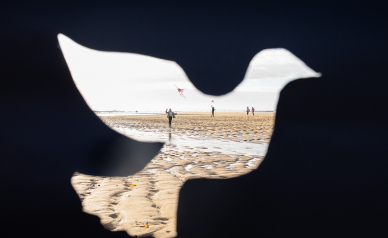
(325, 173)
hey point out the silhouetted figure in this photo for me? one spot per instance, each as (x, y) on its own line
(170, 116)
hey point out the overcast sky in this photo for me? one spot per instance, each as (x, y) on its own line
(130, 82)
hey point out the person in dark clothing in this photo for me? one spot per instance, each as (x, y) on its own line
(170, 115)
(213, 111)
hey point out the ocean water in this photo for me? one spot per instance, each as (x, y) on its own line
(182, 143)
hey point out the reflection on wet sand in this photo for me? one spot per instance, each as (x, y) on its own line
(212, 150)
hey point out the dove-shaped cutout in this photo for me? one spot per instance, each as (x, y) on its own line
(131, 92)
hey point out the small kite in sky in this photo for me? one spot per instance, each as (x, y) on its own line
(180, 91)
(212, 100)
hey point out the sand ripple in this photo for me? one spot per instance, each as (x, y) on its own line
(154, 198)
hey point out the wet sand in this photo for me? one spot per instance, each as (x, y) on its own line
(154, 197)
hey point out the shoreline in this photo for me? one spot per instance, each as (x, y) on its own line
(130, 113)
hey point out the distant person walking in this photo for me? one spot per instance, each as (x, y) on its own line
(253, 111)
(170, 115)
(213, 111)
(248, 111)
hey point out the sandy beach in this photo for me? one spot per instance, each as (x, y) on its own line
(197, 146)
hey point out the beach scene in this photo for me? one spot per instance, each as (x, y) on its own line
(205, 136)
